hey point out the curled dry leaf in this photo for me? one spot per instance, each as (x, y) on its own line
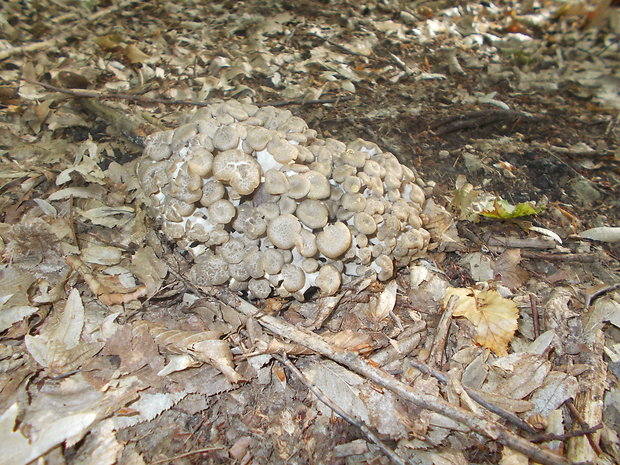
(494, 317)
(204, 346)
(105, 294)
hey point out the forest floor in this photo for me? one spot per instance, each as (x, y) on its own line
(494, 105)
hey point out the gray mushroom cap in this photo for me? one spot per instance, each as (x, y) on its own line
(334, 240)
(239, 169)
(328, 280)
(283, 231)
(209, 270)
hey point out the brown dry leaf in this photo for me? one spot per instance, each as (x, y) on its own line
(135, 55)
(494, 317)
(204, 346)
(149, 269)
(507, 266)
(385, 302)
(58, 346)
(109, 42)
(23, 451)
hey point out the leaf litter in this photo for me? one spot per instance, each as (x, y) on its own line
(108, 355)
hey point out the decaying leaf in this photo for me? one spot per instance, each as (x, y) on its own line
(602, 234)
(58, 346)
(204, 346)
(494, 317)
(508, 269)
(23, 451)
(385, 302)
(502, 209)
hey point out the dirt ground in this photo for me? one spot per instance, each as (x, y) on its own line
(513, 102)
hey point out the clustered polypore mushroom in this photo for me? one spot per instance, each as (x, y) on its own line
(264, 204)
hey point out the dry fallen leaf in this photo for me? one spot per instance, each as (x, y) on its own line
(494, 317)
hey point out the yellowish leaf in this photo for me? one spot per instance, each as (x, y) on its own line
(494, 317)
(135, 55)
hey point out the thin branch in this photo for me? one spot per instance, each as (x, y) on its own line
(370, 435)
(595, 295)
(563, 437)
(577, 416)
(441, 335)
(359, 365)
(79, 93)
(319, 101)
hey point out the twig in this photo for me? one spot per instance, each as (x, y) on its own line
(78, 93)
(476, 119)
(476, 396)
(577, 416)
(439, 342)
(397, 459)
(361, 366)
(319, 101)
(408, 341)
(28, 48)
(115, 96)
(187, 454)
(591, 297)
(518, 243)
(535, 321)
(565, 257)
(563, 437)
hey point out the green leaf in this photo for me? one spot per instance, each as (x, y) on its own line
(503, 210)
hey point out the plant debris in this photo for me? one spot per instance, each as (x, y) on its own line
(500, 344)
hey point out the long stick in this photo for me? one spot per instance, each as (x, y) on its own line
(359, 365)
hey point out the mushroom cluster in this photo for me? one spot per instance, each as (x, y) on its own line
(264, 204)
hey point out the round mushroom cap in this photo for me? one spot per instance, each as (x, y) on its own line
(276, 182)
(283, 231)
(158, 145)
(354, 158)
(221, 211)
(334, 240)
(259, 288)
(310, 265)
(212, 191)
(281, 150)
(354, 202)
(209, 270)
(287, 205)
(306, 243)
(328, 280)
(226, 138)
(352, 184)
(299, 186)
(176, 210)
(364, 223)
(233, 251)
(319, 185)
(416, 194)
(201, 162)
(182, 135)
(239, 169)
(272, 261)
(258, 138)
(312, 213)
(384, 267)
(294, 278)
(254, 265)
(269, 210)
